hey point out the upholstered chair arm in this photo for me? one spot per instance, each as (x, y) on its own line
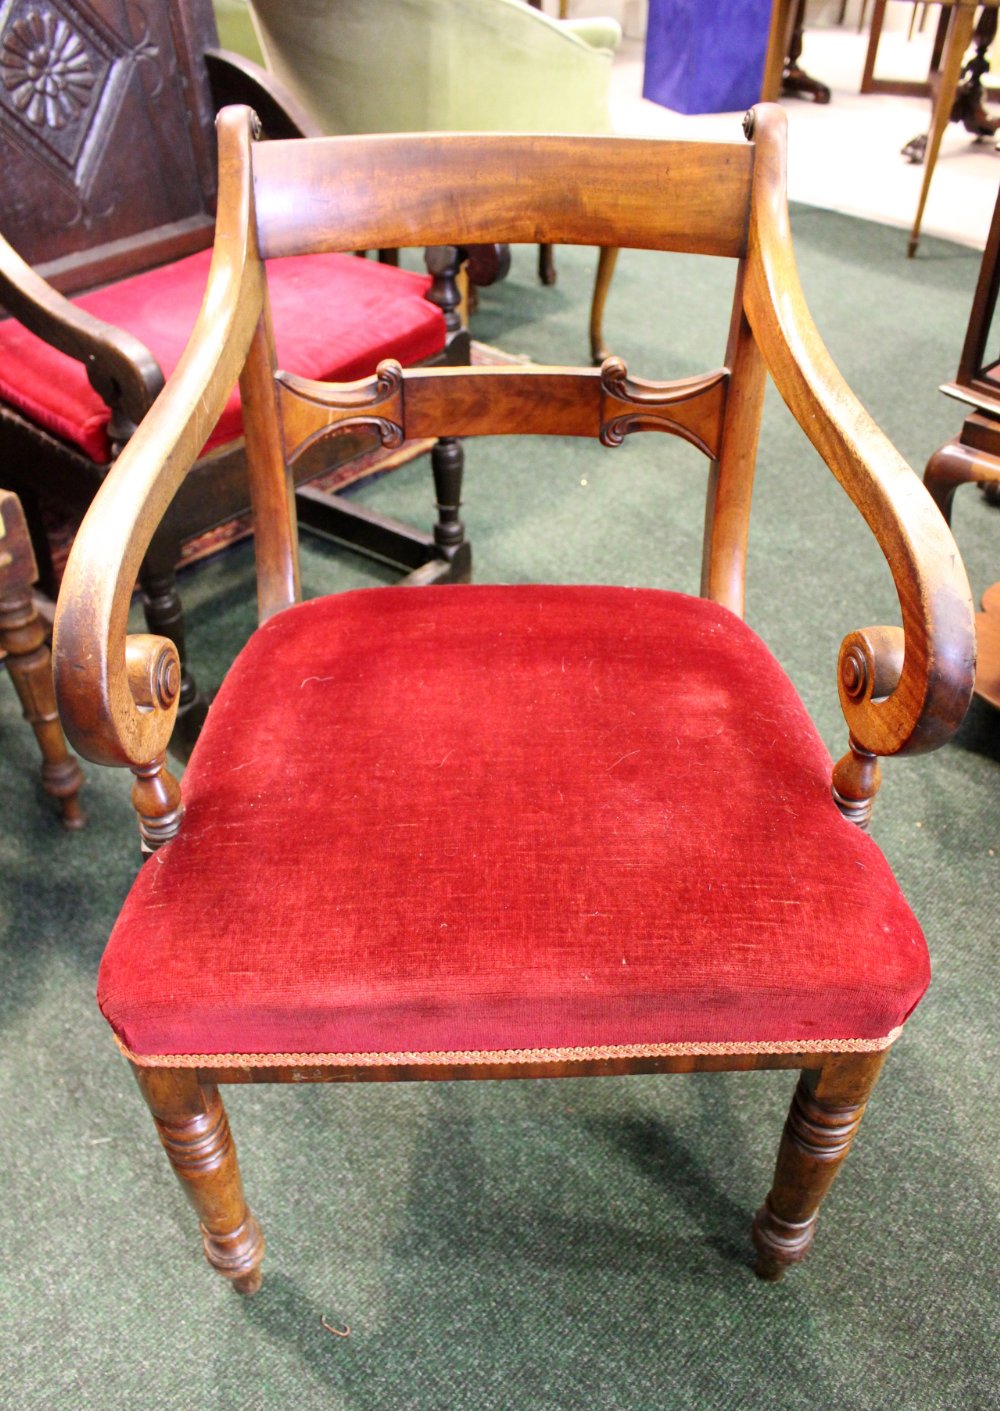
(600, 32)
(121, 369)
(902, 690)
(118, 694)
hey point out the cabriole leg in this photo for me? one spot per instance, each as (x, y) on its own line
(606, 260)
(825, 1113)
(192, 1125)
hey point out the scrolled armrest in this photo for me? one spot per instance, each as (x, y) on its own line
(902, 690)
(118, 694)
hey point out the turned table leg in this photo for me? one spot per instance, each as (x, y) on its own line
(959, 35)
(826, 1111)
(29, 662)
(192, 1125)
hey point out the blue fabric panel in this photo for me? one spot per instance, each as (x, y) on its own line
(705, 56)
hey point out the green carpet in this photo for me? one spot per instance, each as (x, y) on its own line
(543, 1246)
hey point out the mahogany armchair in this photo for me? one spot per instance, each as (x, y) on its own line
(110, 181)
(603, 836)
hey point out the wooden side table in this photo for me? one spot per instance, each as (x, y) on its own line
(974, 454)
(786, 19)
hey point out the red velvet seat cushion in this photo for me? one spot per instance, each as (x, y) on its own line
(335, 318)
(475, 819)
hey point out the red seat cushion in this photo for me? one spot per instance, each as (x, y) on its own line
(335, 317)
(470, 820)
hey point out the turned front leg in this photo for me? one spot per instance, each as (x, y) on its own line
(826, 1111)
(193, 1127)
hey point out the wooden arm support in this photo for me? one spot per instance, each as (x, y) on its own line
(901, 701)
(121, 369)
(116, 694)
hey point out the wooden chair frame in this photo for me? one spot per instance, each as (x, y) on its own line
(902, 689)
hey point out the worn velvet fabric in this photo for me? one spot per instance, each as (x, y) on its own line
(335, 317)
(467, 819)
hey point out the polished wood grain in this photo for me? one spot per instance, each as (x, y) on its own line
(902, 687)
(515, 189)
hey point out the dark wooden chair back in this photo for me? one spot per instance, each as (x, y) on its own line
(108, 169)
(106, 130)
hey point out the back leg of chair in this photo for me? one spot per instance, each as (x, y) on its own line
(448, 467)
(826, 1111)
(606, 261)
(193, 1127)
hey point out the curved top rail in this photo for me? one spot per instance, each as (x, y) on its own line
(372, 192)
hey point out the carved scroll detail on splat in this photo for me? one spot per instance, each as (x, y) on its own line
(311, 409)
(692, 407)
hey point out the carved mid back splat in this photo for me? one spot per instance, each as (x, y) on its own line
(105, 134)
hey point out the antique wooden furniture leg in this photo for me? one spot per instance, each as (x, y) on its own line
(901, 87)
(192, 1125)
(959, 34)
(782, 74)
(959, 463)
(974, 454)
(795, 81)
(606, 261)
(29, 664)
(826, 1111)
(777, 48)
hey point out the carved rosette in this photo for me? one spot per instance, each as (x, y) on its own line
(46, 68)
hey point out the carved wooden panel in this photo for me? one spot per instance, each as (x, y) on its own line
(105, 124)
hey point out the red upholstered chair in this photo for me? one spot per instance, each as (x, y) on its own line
(107, 179)
(601, 837)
